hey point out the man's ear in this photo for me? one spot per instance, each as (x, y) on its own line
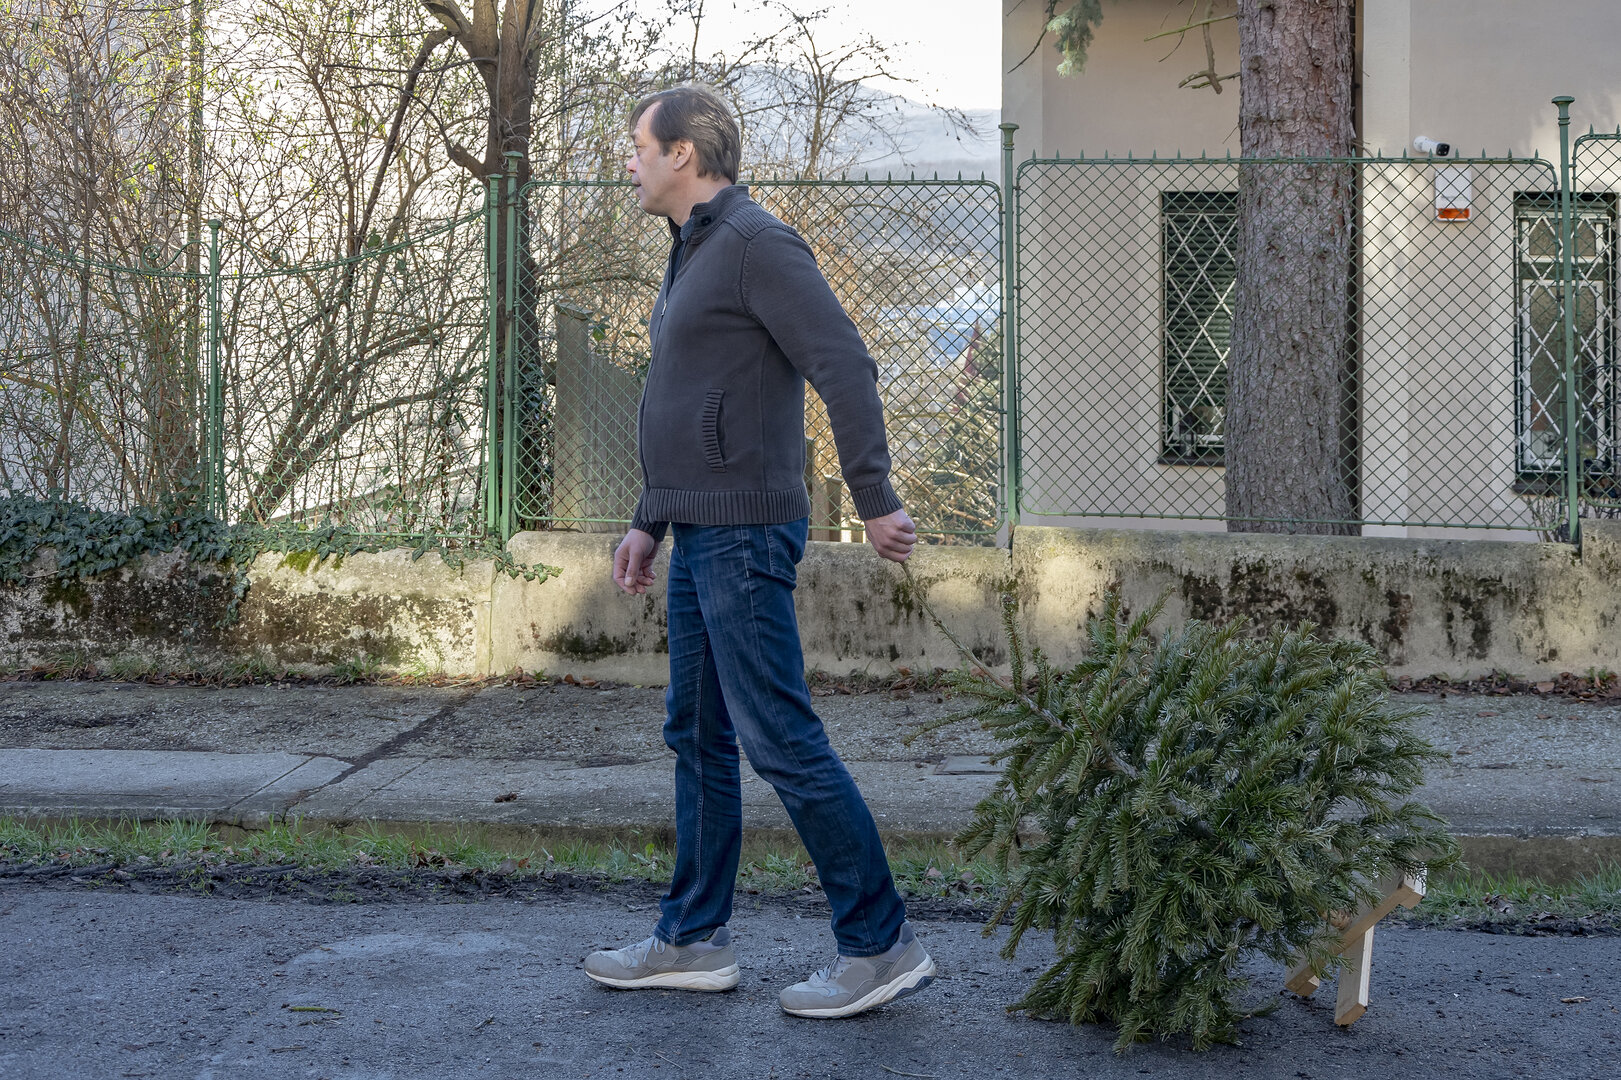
(682, 152)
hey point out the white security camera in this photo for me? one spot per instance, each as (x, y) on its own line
(1426, 145)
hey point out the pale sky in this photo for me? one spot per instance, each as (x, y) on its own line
(953, 48)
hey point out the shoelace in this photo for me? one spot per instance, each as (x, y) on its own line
(638, 952)
(832, 971)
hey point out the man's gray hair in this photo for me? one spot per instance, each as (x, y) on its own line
(702, 117)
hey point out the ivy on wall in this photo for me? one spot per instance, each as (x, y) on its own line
(85, 543)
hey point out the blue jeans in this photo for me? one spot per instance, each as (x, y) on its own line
(737, 673)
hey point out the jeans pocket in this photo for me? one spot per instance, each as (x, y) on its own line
(785, 546)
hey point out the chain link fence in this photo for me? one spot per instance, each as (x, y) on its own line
(1448, 407)
(353, 390)
(348, 392)
(483, 376)
(101, 392)
(916, 264)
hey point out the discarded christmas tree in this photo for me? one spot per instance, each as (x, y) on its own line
(1170, 808)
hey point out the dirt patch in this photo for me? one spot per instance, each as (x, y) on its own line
(1596, 686)
(378, 885)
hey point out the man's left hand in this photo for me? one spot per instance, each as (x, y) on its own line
(893, 536)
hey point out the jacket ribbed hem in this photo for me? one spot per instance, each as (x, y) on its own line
(876, 501)
(722, 507)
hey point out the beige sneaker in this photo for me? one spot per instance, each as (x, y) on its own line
(854, 984)
(704, 965)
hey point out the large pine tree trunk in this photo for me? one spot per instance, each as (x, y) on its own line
(1289, 447)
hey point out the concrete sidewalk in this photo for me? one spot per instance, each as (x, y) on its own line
(1533, 784)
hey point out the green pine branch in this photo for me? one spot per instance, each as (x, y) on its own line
(1175, 803)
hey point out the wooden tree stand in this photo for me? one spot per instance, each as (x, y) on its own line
(1356, 943)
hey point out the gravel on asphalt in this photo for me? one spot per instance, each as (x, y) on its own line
(108, 982)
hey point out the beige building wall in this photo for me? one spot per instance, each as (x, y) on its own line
(1126, 99)
(1481, 73)
(1438, 316)
(1477, 73)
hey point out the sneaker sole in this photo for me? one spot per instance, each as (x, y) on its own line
(710, 981)
(905, 986)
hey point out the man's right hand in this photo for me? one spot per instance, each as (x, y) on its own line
(633, 562)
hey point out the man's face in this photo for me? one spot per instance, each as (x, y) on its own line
(653, 171)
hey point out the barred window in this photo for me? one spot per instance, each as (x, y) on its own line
(1198, 235)
(1539, 346)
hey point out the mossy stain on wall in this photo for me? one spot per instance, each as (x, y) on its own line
(585, 647)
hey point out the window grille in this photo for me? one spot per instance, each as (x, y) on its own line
(1198, 235)
(1539, 343)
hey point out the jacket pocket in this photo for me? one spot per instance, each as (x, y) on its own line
(714, 452)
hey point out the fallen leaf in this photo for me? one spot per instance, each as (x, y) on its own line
(510, 796)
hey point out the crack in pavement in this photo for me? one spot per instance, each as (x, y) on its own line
(390, 747)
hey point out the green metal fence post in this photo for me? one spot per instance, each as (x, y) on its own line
(492, 303)
(509, 398)
(1010, 338)
(1567, 300)
(216, 389)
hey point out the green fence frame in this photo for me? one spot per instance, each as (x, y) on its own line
(1584, 487)
(511, 336)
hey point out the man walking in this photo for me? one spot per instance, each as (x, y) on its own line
(743, 319)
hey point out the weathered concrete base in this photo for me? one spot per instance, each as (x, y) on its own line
(1457, 607)
(381, 609)
(855, 610)
(1460, 608)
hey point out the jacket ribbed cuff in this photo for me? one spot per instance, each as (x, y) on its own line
(876, 501)
(655, 529)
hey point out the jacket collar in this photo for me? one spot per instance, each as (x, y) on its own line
(707, 215)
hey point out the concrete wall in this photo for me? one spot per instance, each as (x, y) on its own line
(400, 614)
(1454, 607)
(1460, 608)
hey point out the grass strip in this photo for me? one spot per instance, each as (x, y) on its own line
(922, 870)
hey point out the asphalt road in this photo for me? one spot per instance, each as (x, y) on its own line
(102, 983)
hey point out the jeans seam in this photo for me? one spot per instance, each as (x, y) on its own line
(759, 661)
(698, 767)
